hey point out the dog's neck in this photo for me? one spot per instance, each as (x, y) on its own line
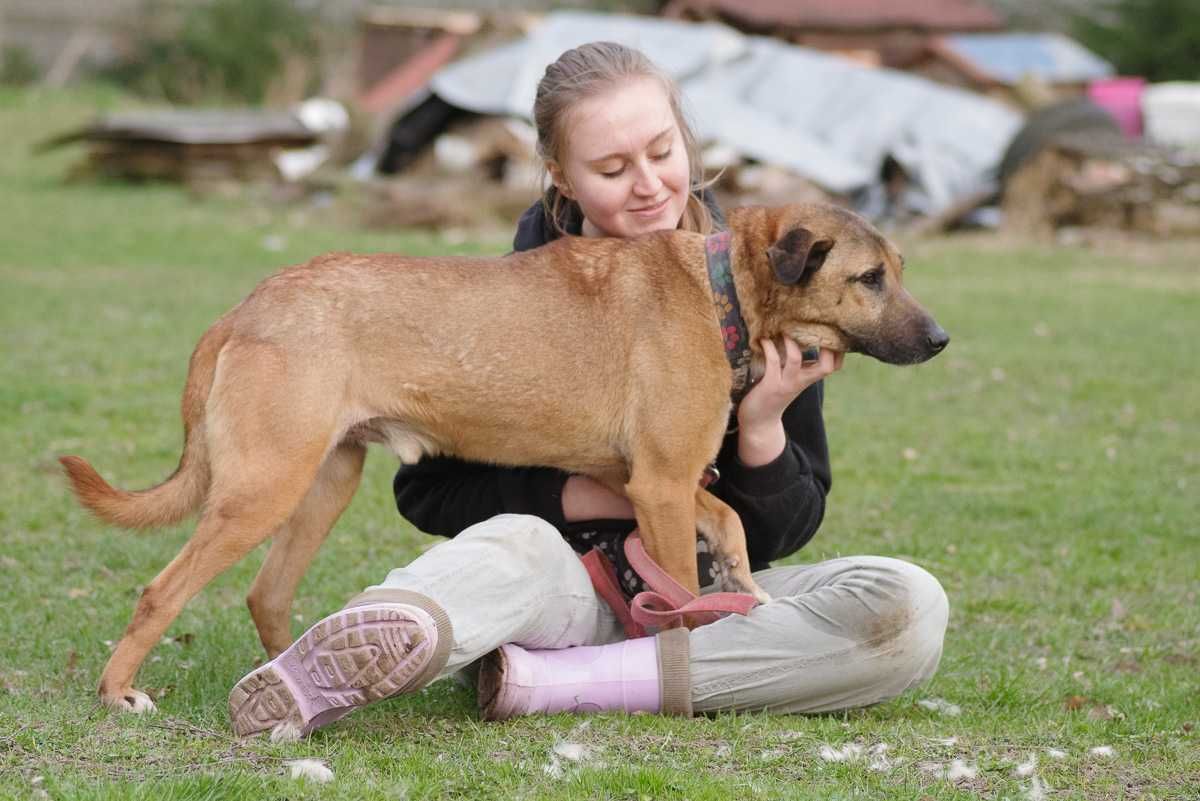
(748, 257)
(729, 313)
(755, 284)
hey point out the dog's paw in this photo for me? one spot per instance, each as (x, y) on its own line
(740, 580)
(131, 700)
(747, 585)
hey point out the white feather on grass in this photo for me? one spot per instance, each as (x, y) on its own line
(879, 758)
(853, 752)
(1027, 767)
(311, 769)
(956, 770)
(572, 753)
(940, 705)
(847, 753)
(1036, 791)
(285, 732)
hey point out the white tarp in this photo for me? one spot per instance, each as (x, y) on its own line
(1172, 113)
(824, 117)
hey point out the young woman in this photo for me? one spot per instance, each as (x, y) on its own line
(847, 632)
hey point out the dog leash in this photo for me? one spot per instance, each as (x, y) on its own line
(666, 602)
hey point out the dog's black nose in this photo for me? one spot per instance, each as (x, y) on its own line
(938, 339)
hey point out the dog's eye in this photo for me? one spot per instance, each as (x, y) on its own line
(873, 279)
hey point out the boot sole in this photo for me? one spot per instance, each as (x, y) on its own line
(346, 661)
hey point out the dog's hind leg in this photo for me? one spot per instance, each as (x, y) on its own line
(270, 424)
(235, 521)
(296, 543)
(722, 530)
(231, 527)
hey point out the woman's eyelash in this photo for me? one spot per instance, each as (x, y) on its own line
(656, 157)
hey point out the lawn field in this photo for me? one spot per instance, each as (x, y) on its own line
(1046, 468)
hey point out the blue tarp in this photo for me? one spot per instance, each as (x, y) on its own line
(1009, 57)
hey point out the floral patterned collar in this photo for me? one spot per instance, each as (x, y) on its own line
(733, 326)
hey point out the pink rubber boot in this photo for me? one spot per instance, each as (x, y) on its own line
(649, 674)
(386, 642)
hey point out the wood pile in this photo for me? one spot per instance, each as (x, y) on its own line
(442, 202)
(1085, 181)
(192, 146)
(738, 183)
(476, 171)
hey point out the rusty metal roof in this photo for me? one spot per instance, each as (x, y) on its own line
(930, 15)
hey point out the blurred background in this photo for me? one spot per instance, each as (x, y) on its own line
(1041, 118)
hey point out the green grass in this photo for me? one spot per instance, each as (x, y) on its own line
(1045, 468)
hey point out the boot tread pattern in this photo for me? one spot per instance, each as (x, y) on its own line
(345, 661)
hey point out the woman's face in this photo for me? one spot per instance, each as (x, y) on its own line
(625, 162)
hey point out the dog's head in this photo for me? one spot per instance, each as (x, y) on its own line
(831, 279)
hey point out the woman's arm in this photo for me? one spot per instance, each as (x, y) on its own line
(781, 503)
(584, 498)
(443, 495)
(775, 468)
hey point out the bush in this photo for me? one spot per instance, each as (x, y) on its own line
(17, 66)
(1157, 39)
(222, 51)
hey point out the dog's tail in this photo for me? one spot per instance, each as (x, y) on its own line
(184, 491)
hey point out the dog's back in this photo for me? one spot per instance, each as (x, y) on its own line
(426, 350)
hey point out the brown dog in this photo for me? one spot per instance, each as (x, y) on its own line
(597, 356)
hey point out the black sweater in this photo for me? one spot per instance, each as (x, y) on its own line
(780, 504)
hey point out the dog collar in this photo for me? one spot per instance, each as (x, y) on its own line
(729, 312)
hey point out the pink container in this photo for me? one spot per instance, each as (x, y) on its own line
(1122, 98)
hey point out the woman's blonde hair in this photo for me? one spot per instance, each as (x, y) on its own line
(584, 72)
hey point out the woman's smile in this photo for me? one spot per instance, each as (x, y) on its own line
(652, 210)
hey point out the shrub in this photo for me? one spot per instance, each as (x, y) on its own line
(1157, 39)
(17, 66)
(221, 51)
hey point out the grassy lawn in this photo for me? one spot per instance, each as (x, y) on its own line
(1046, 468)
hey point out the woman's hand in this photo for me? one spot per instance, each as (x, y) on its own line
(761, 437)
(584, 498)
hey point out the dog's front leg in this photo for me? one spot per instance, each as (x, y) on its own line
(666, 517)
(722, 530)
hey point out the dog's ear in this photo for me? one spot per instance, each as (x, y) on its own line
(797, 255)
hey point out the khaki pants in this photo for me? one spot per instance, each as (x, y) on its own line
(843, 633)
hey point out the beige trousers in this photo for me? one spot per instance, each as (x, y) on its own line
(842, 633)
